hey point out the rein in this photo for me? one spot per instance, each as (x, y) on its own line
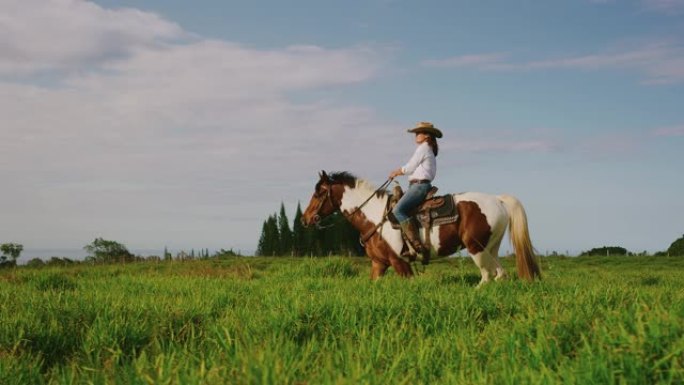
(350, 215)
(364, 237)
(384, 185)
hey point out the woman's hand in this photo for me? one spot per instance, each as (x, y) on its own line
(395, 173)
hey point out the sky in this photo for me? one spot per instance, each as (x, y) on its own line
(168, 123)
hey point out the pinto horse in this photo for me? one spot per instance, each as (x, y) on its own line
(481, 224)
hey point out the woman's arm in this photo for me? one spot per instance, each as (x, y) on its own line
(413, 163)
(416, 159)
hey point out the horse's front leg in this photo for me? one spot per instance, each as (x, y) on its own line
(383, 256)
(401, 267)
(378, 269)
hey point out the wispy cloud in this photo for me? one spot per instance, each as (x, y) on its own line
(669, 131)
(610, 145)
(504, 142)
(480, 61)
(669, 7)
(673, 7)
(658, 63)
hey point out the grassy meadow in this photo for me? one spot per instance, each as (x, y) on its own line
(592, 320)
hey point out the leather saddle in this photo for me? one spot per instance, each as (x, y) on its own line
(434, 211)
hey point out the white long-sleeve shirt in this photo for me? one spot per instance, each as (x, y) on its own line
(422, 165)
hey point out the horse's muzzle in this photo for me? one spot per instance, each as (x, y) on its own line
(314, 220)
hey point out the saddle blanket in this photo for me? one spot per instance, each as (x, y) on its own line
(435, 211)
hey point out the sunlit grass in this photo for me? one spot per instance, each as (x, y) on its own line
(322, 321)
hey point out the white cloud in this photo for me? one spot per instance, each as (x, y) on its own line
(70, 35)
(137, 131)
(657, 62)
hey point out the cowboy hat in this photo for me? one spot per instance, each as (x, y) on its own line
(426, 127)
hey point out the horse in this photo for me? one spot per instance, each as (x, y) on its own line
(480, 227)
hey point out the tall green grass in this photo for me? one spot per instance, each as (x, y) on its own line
(609, 320)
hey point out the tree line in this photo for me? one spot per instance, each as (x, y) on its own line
(336, 236)
(103, 251)
(676, 249)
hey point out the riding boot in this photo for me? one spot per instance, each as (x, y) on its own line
(410, 231)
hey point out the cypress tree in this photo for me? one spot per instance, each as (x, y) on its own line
(272, 237)
(339, 237)
(351, 240)
(329, 238)
(311, 235)
(298, 236)
(284, 231)
(262, 247)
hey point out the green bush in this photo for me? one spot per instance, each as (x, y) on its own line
(676, 249)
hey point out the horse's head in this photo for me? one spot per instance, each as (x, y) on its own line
(324, 201)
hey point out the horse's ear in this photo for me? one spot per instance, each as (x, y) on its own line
(324, 176)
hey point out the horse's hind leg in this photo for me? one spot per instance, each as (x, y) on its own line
(479, 252)
(486, 264)
(493, 251)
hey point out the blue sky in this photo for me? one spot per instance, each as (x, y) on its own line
(185, 124)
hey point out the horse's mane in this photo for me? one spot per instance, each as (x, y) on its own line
(344, 177)
(350, 180)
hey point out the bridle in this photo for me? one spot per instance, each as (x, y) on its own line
(321, 202)
(328, 198)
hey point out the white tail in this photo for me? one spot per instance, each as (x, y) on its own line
(520, 238)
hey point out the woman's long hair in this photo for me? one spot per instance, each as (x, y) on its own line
(432, 142)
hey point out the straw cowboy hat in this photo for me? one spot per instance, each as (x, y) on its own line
(426, 127)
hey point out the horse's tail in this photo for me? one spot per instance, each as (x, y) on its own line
(520, 238)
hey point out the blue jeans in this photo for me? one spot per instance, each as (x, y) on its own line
(414, 196)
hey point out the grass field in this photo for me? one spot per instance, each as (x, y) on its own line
(607, 320)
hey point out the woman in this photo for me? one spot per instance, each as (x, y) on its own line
(421, 170)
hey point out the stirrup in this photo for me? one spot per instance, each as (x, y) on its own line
(425, 257)
(408, 256)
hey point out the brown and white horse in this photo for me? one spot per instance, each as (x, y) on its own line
(481, 224)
